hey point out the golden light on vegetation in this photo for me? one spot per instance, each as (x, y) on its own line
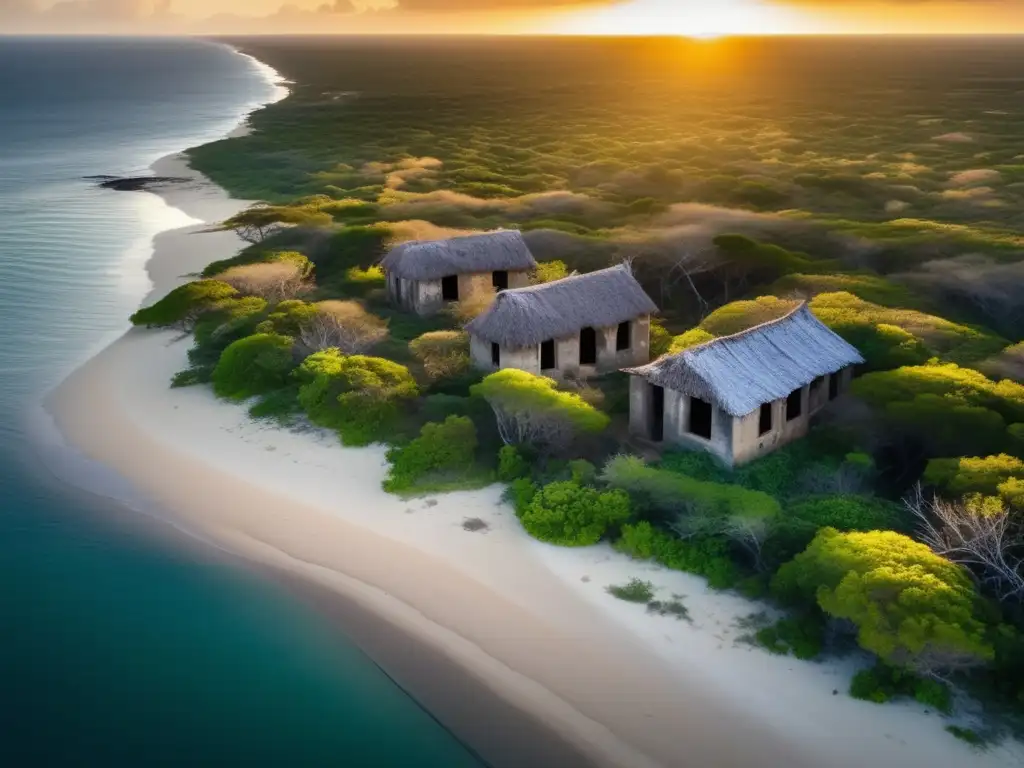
(689, 18)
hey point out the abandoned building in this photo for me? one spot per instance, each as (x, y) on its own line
(579, 326)
(742, 396)
(424, 276)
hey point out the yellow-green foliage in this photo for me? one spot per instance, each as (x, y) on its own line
(532, 410)
(253, 366)
(911, 607)
(707, 557)
(369, 277)
(691, 338)
(258, 256)
(548, 271)
(288, 317)
(359, 396)
(867, 286)
(890, 337)
(1001, 475)
(185, 304)
(740, 315)
(949, 409)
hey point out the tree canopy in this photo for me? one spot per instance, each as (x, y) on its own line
(185, 304)
(254, 365)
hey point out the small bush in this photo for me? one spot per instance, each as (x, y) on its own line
(446, 447)
(511, 464)
(571, 515)
(187, 378)
(882, 683)
(634, 591)
(361, 397)
(549, 271)
(280, 405)
(443, 354)
(803, 636)
(669, 608)
(582, 472)
(253, 366)
(967, 735)
(520, 493)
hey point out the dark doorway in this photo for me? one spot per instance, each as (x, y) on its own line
(622, 337)
(657, 414)
(547, 355)
(398, 290)
(500, 280)
(450, 288)
(764, 424)
(700, 418)
(833, 386)
(794, 405)
(495, 355)
(588, 346)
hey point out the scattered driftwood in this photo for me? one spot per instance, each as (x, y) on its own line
(135, 183)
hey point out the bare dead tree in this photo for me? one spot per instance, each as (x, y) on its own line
(748, 531)
(344, 325)
(985, 541)
(543, 431)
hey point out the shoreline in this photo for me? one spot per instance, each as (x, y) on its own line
(513, 645)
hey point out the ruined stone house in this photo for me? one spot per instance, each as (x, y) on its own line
(742, 396)
(579, 326)
(425, 276)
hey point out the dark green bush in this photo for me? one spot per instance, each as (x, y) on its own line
(520, 493)
(802, 635)
(572, 515)
(254, 365)
(511, 464)
(361, 397)
(634, 591)
(882, 683)
(446, 447)
(703, 556)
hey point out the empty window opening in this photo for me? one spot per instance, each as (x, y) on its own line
(500, 280)
(700, 418)
(657, 425)
(833, 386)
(495, 355)
(588, 346)
(817, 384)
(547, 355)
(794, 405)
(450, 288)
(622, 337)
(764, 424)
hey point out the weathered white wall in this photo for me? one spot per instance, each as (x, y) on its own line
(677, 419)
(748, 445)
(526, 359)
(424, 296)
(640, 406)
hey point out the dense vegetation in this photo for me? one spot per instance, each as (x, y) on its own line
(896, 526)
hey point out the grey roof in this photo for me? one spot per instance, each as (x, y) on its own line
(759, 365)
(433, 259)
(523, 317)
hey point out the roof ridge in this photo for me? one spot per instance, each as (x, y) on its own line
(747, 331)
(563, 280)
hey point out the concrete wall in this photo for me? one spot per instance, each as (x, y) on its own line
(424, 296)
(567, 353)
(749, 445)
(677, 420)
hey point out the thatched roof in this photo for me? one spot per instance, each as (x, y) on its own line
(759, 365)
(524, 317)
(433, 259)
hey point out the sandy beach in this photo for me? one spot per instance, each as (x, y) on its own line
(512, 644)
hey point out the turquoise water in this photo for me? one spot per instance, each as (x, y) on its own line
(117, 649)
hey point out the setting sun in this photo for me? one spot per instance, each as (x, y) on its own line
(690, 18)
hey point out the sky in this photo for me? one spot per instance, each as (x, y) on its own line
(699, 18)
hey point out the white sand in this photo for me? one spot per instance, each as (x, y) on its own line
(531, 622)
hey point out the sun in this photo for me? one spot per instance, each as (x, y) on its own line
(703, 19)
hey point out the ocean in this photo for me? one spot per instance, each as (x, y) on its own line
(117, 648)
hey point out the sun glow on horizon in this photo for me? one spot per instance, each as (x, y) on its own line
(702, 19)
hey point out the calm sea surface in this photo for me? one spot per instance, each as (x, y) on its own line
(115, 649)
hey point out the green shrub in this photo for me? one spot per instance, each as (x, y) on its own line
(661, 339)
(231, 320)
(288, 317)
(673, 608)
(259, 255)
(520, 493)
(185, 304)
(967, 735)
(446, 447)
(571, 515)
(188, 378)
(634, 591)
(803, 636)
(254, 365)
(882, 683)
(443, 354)
(280, 405)
(532, 411)
(703, 556)
(361, 397)
(511, 464)
(987, 475)
(582, 472)
(911, 607)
